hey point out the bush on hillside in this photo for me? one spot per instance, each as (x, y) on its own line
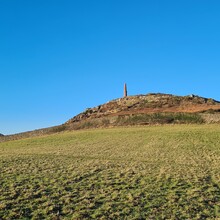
(160, 118)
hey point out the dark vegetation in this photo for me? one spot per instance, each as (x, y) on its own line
(141, 119)
(160, 118)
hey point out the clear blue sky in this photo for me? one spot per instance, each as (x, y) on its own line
(59, 57)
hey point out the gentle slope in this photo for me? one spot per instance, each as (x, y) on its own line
(168, 172)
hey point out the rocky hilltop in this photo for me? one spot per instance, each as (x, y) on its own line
(153, 104)
(153, 108)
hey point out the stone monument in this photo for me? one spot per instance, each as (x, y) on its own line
(125, 90)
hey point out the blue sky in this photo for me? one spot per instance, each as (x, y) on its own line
(59, 57)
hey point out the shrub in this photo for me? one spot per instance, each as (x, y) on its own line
(160, 118)
(105, 121)
(57, 129)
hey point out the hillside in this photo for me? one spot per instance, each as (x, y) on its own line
(148, 109)
(151, 172)
(151, 103)
(153, 108)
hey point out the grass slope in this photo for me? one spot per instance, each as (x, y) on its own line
(160, 172)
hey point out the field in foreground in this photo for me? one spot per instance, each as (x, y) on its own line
(159, 172)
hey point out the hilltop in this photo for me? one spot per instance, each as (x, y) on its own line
(145, 109)
(150, 103)
(153, 108)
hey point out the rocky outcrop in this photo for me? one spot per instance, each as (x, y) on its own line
(148, 104)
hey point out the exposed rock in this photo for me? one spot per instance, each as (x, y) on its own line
(147, 104)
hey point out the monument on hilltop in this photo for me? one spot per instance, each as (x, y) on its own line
(125, 90)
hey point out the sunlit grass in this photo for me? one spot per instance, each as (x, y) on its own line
(158, 172)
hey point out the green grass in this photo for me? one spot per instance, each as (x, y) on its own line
(158, 172)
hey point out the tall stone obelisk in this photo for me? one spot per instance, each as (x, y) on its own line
(125, 90)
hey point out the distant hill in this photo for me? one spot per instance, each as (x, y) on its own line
(153, 108)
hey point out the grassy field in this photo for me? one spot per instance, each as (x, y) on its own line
(158, 172)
